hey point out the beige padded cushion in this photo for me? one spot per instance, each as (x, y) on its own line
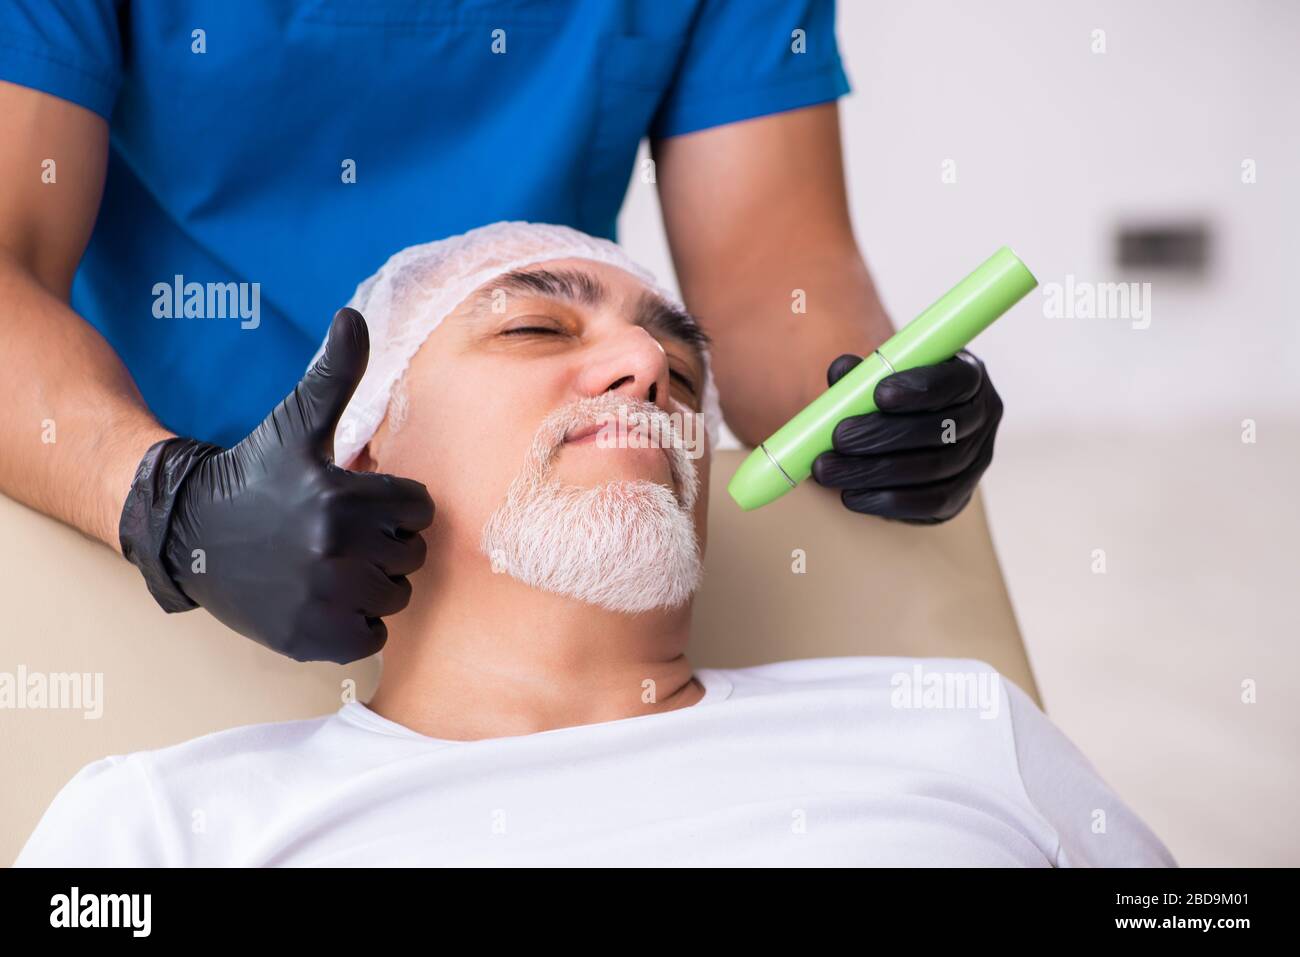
(871, 588)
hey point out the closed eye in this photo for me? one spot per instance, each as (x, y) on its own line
(513, 332)
(532, 330)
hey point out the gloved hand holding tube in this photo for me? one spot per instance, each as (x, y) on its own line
(841, 427)
(920, 456)
(270, 536)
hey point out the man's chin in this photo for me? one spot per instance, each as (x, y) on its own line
(636, 493)
(623, 545)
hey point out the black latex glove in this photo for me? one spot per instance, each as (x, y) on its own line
(296, 553)
(894, 463)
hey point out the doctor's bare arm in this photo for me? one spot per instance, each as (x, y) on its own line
(73, 426)
(755, 212)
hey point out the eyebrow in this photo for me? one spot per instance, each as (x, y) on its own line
(653, 312)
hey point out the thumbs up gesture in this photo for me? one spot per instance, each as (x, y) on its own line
(270, 536)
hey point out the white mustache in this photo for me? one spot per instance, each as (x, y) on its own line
(604, 408)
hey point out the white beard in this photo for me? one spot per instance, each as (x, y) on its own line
(624, 545)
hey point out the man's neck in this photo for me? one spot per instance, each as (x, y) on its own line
(480, 655)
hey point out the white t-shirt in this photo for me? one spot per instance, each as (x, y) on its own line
(824, 761)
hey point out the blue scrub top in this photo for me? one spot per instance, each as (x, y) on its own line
(228, 165)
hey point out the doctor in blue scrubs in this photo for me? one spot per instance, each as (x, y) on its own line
(287, 147)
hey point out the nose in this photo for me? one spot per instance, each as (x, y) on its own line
(629, 362)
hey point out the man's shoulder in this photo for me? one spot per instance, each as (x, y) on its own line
(867, 671)
(966, 697)
(167, 772)
(136, 807)
(271, 740)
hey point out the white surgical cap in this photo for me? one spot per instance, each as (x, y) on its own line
(419, 286)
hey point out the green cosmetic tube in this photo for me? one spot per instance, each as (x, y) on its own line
(785, 459)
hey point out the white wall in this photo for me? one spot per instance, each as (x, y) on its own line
(1054, 144)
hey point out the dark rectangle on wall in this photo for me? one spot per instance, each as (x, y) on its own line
(1175, 246)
